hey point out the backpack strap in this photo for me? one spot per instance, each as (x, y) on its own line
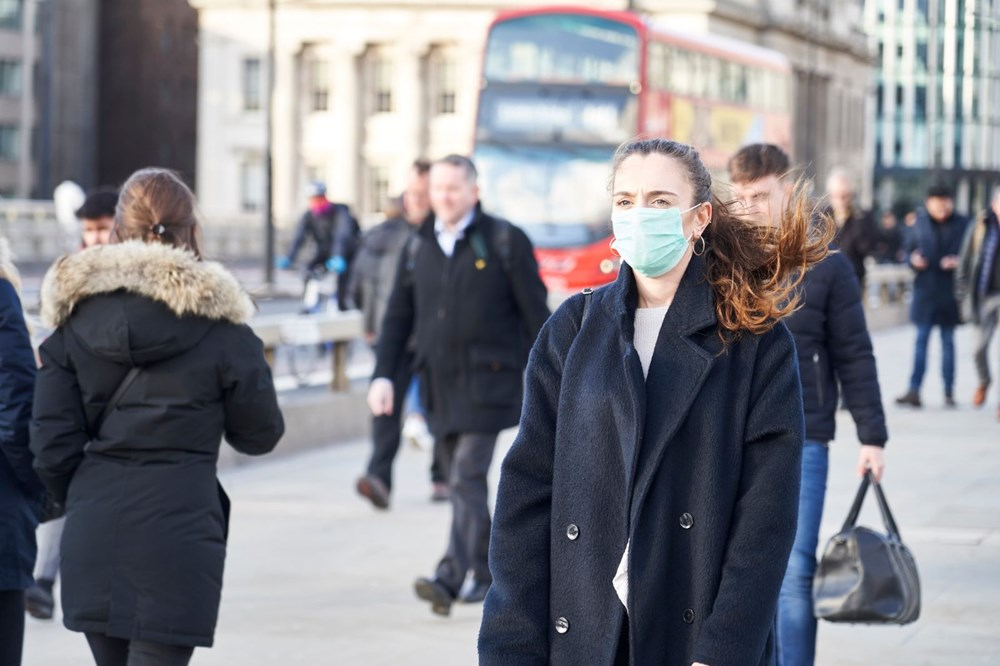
(500, 240)
(588, 295)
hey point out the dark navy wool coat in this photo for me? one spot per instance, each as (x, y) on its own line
(934, 301)
(698, 465)
(20, 489)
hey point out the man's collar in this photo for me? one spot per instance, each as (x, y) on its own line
(463, 224)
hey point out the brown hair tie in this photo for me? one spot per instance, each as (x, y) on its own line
(158, 229)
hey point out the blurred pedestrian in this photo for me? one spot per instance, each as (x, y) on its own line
(834, 349)
(977, 286)
(335, 234)
(21, 491)
(469, 294)
(375, 274)
(933, 251)
(856, 232)
(889, 246)
(151, 363)
(647, 507)
(97, 217)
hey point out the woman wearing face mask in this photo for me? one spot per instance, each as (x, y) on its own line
(647, 509)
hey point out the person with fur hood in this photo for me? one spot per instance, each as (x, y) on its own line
(151, 363)
(21, 492)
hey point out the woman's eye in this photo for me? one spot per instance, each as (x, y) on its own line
(622, 203)
(661, 203)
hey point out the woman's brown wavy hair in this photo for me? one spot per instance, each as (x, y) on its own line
(155, 206)
(755, 270)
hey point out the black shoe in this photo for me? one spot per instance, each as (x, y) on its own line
(949, 402)
(475, 593)
(38, 600)
(375, 490)
(434, 592)
(911, 398)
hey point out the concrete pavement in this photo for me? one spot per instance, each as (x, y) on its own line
(315, 576)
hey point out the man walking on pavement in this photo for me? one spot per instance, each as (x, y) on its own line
(834, 347)
(977, 287)
(933, 249)
(468, 292)
(335, 232)
(856, 232)
(374, 275)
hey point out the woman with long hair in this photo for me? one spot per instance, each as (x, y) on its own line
(647, 508)
(150, 365)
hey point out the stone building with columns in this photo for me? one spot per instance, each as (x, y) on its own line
(362, 87)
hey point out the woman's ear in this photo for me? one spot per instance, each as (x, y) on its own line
(704, 217)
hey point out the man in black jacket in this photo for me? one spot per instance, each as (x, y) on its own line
(468, 292)
(833, 346)
(856, 233)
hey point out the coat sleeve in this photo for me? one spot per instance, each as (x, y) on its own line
(253, 420)
(966, 262)
(764, 514)
(515, 627)
(17, 383)
(850, 348)
(397, 325)
(58, 424)
(304, 227)
(529, 290)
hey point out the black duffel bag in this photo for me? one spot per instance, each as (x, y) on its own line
(865, 576)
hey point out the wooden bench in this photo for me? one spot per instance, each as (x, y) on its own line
(339, 328)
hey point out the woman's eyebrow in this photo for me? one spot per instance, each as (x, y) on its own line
(652, 193)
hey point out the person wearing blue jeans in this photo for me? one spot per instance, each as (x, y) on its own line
(835, 354)
(933, 249)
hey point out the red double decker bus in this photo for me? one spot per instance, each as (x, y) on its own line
(562, 87)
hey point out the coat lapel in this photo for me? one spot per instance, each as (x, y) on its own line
(678, 370)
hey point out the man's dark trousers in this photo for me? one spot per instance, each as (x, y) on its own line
(468, 545)
(386, 431)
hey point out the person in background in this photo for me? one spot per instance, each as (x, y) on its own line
(856, 232)
(126, 428)
(335, 234)
(471, 299)
(374, 274)
(97, 217)
(977, 287)
(834, 349)
(889, 246)
(21, 491)
(932, 250)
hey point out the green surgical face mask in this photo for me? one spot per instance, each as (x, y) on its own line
(650, 240)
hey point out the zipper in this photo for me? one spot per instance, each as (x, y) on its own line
(819, 378)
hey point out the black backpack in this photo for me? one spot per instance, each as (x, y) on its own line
(499, 240)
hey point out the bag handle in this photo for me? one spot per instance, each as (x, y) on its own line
(883, 505)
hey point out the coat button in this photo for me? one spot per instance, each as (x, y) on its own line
(562, 625)
(572, 532)
(689, 616)
(687, 521)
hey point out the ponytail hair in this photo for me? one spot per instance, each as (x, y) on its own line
(754, 269)
(155, 206)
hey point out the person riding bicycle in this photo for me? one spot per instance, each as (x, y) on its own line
(336, 234)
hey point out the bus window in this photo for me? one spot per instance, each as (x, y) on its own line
(563, 48)
(683, 72)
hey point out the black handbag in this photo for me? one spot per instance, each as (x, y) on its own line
(866, 576)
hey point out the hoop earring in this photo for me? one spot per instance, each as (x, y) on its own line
(694, 246)
(611, 248)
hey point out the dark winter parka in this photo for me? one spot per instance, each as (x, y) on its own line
(834, 347)
(20, 489)
(145, 537)
(698, 465)
(374, 271)
(934, 302)
(472, 324)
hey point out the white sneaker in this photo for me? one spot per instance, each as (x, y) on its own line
(416, 433)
